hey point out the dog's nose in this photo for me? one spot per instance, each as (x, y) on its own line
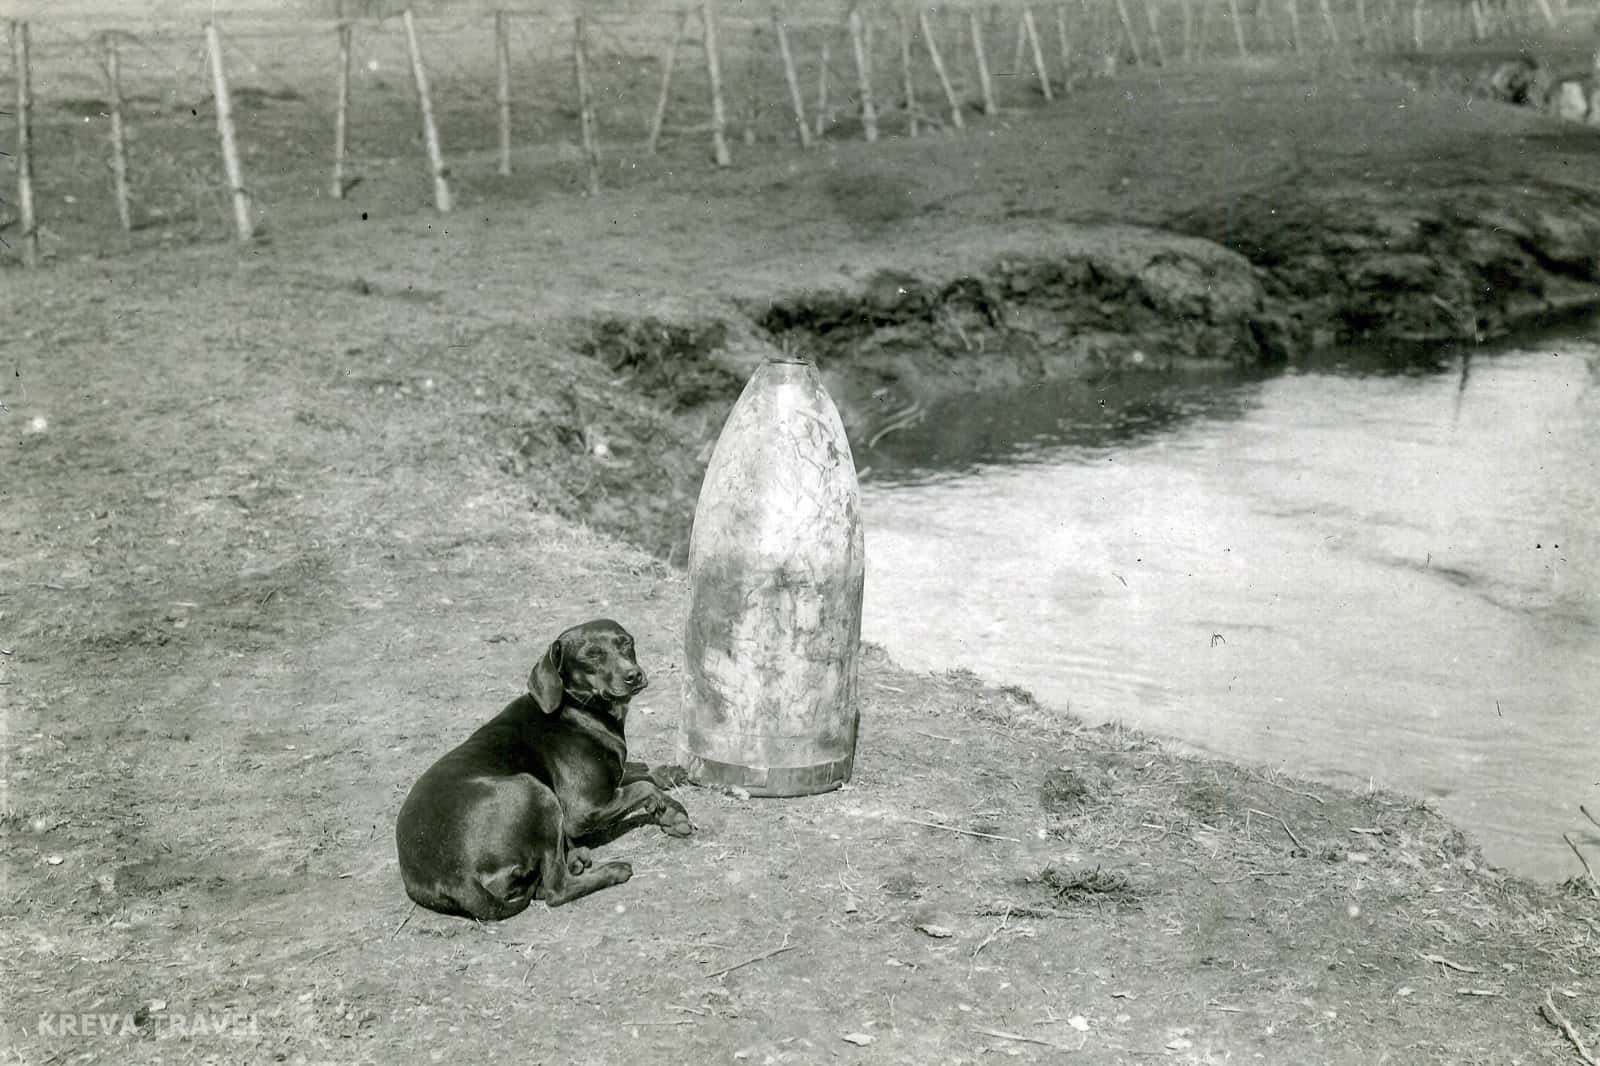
(634, 677)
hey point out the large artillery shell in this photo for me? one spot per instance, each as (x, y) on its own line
(776, 566)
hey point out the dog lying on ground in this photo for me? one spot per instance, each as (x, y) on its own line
(509, 816)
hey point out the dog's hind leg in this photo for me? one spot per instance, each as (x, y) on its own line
(555, 873)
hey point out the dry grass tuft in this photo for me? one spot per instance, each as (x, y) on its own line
(1087, 885)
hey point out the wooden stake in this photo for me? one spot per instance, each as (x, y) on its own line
(822, 89)
(1155, 32)
(430, 131)
(869, 110)
(982, 60)
(938, 68)
(502, 63)
(1238, 28)
(719, 114)
(1064, 45)
(22, 65)
(1588, 871)
(1328, 21)
(1038, 53)
(119, 138)
(1295, 40)
(230, 147)
(752, 80)
(668, 61)
(341, 115)
(1127, 28)
(580, 66)
(1019, 49)
(791, 78)
(907, 83)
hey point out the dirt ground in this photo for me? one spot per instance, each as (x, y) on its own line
(282, 524)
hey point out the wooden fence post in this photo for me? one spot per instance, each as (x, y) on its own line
(752, 86)
(430, 131)
(1480, 25)
(119, 137)
(1238, 28)
(1038, 53)
(791, 78)
(719, 115)
(1064, 45)
(1019, 50)
(869, 110)
(502, 63)
(341, 116)
(1127, 28)
(1151, 16)
(1295, 40)
(938, 68)
(822, 90)
(668, 61)
(908, 85)
(22, 64)
(230, 146)
(1333, 26)
(975, 27)
(580, 65)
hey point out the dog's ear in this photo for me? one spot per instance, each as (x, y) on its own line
(544, 682)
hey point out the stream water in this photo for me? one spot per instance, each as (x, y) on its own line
(1349, 572)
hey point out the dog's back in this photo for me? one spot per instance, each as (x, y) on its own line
(440, 828)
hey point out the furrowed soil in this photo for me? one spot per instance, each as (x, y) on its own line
(281, 525)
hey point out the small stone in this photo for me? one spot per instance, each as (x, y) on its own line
(930, 921)
(858, 1039)
(1570, 103)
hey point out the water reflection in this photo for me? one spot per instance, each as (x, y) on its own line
(1054, 420)
(1401, 566)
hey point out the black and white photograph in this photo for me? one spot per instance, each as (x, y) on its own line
(848, 532)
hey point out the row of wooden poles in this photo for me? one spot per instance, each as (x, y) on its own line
(1028, 41)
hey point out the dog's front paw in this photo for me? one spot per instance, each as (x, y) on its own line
(579, 860)
(669, 776)
(673, 819)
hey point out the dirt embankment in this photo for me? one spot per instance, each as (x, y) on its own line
(1263, 280)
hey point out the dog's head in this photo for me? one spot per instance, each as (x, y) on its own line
(592, 665)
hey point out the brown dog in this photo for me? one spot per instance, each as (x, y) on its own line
(501, 821)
